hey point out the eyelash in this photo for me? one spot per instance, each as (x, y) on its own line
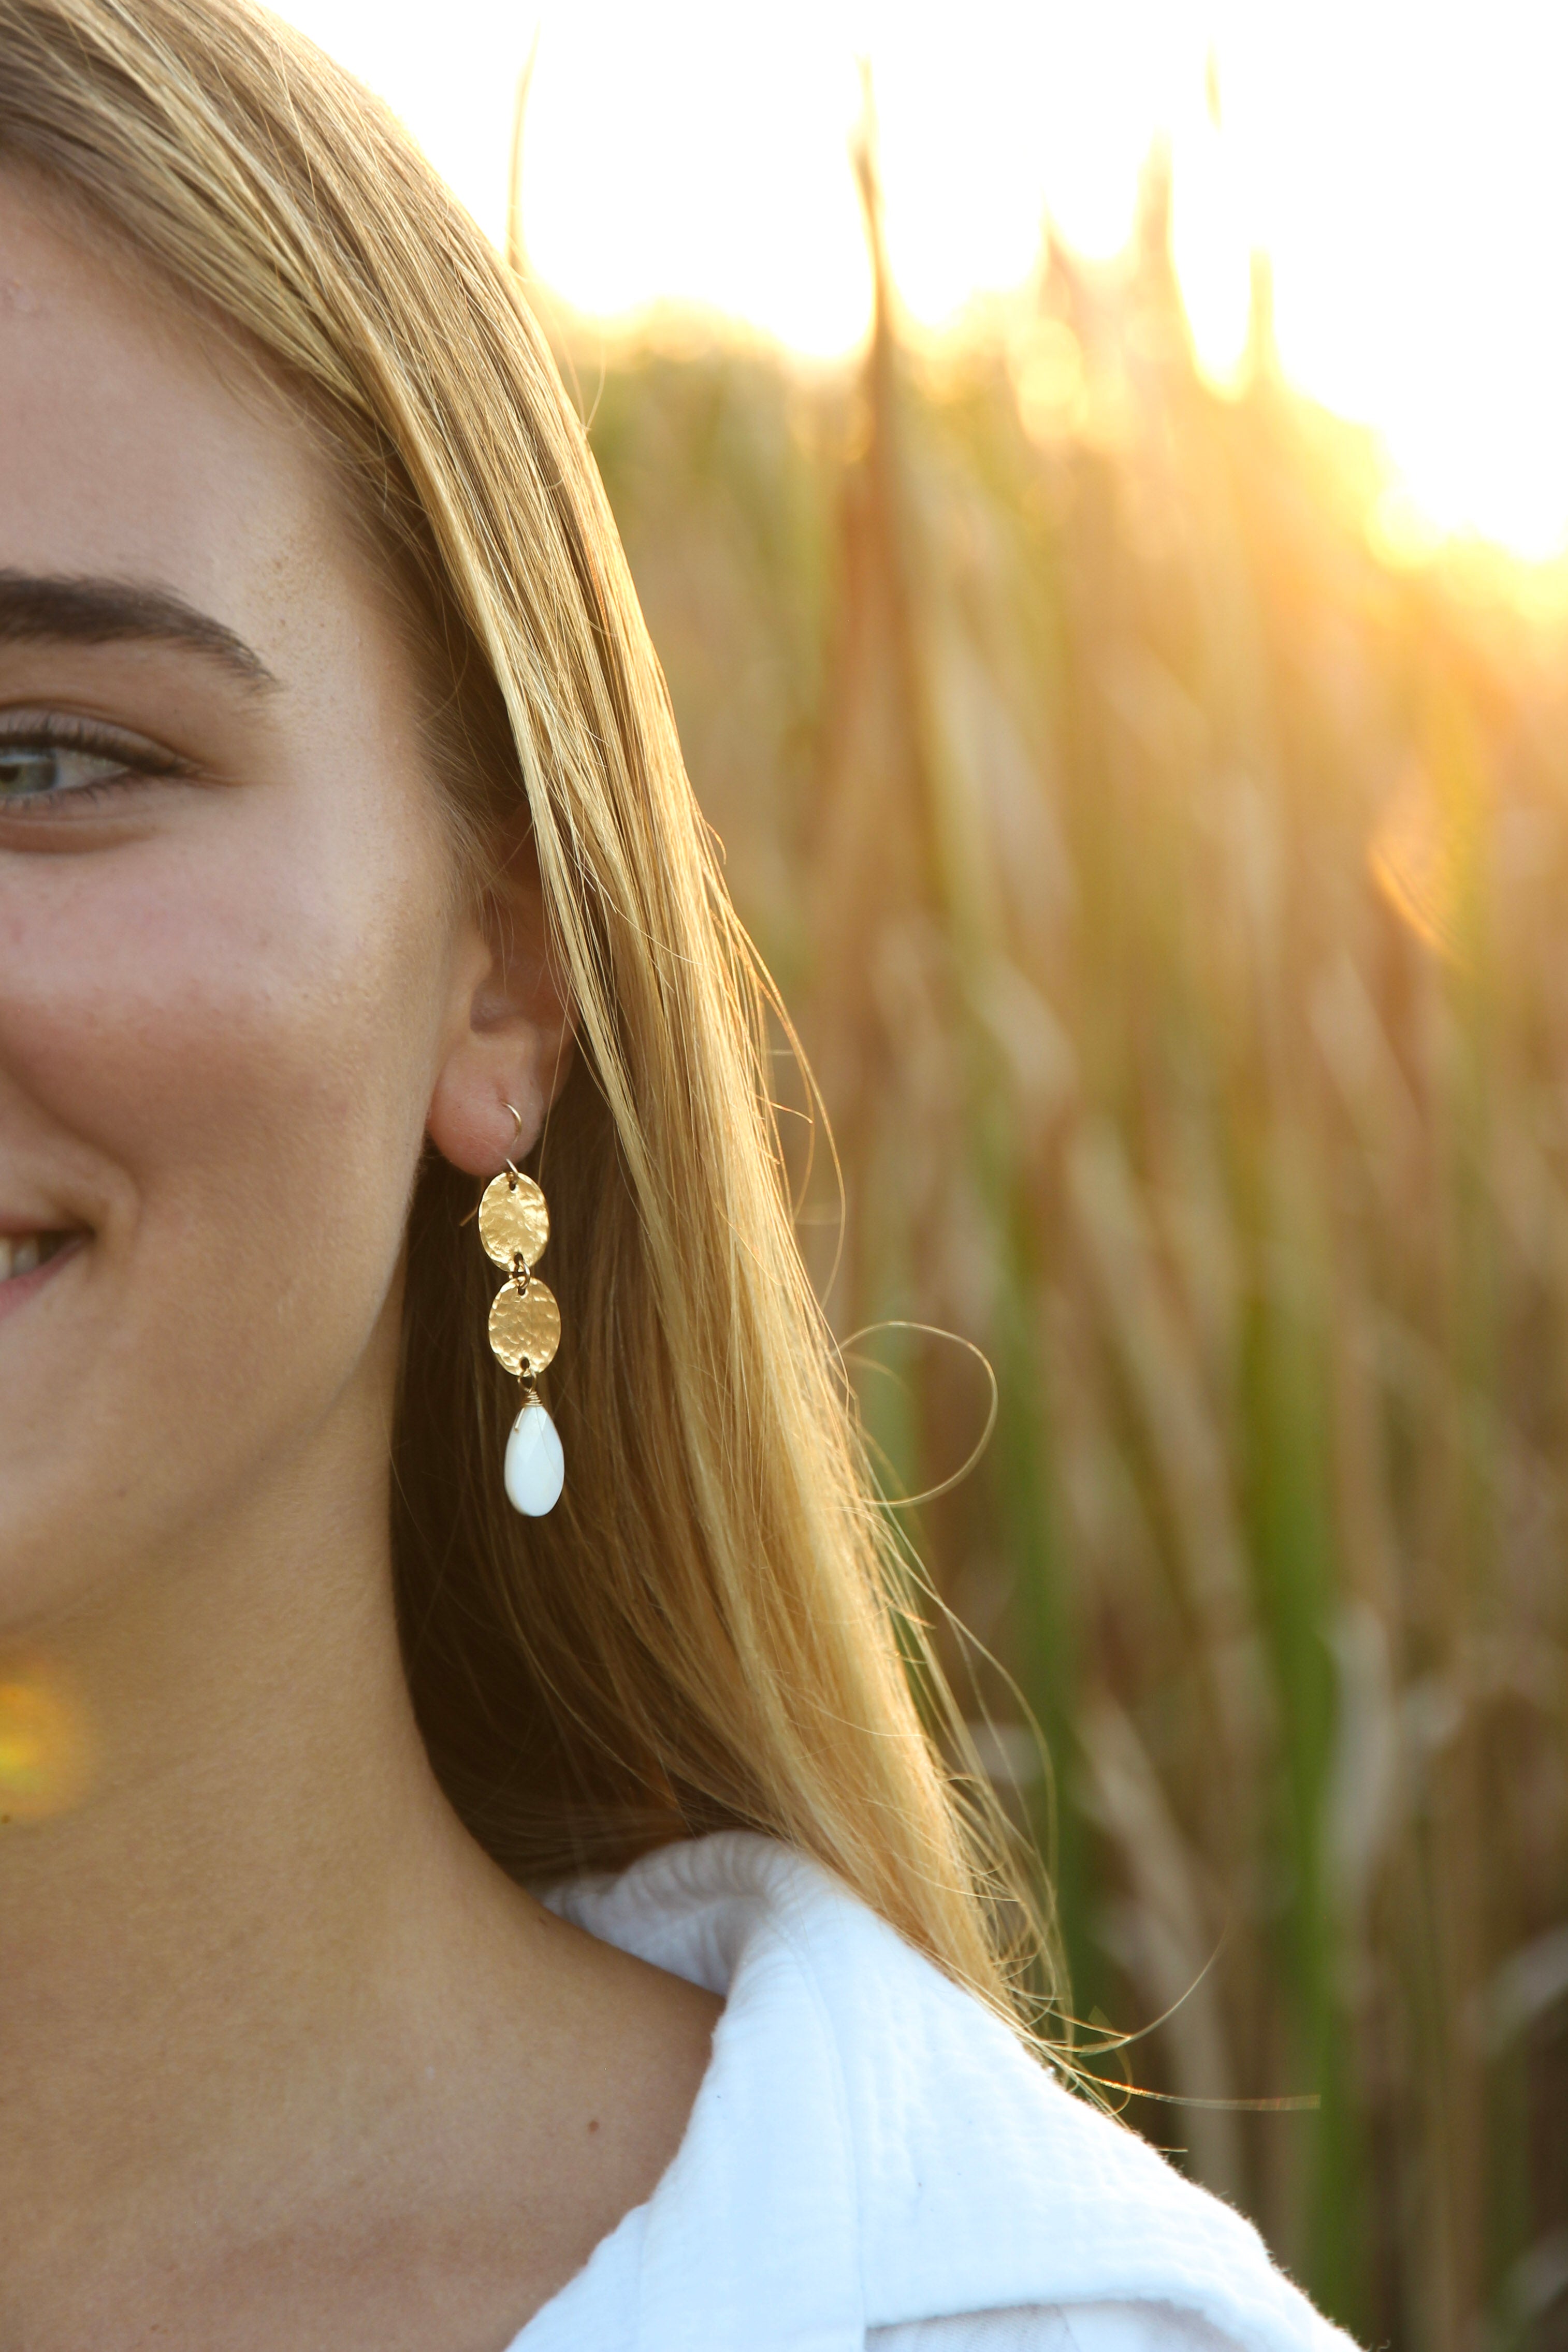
(138, 762)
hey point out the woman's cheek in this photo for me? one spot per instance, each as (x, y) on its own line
(217, 1060)
(231, 987)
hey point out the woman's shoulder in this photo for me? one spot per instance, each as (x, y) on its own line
(872, 2150)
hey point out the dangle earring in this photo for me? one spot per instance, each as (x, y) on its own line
(525, 1331)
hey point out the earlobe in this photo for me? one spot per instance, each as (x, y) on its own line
(471, 1122)
(509, 1041)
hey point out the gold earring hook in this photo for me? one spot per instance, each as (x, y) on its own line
(512, 1169)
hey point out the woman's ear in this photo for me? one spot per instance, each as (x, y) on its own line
(509, 1031)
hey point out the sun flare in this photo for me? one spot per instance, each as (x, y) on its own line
(1404, 177)
(46, 1762)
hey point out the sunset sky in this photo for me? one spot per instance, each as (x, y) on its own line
(1403, 167)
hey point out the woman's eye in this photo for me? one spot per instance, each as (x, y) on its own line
(42, 770)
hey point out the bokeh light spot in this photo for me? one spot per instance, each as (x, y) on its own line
(45, 1751)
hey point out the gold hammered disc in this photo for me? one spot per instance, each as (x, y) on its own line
(514, 1220)
(525, 1326)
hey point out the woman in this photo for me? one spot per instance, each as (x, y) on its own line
(347, 861)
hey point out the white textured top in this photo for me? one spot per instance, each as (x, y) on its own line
(874, 2163)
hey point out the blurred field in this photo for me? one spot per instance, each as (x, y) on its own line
(1173, 897)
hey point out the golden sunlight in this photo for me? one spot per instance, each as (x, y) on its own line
(46, 1761)
(1400, 168)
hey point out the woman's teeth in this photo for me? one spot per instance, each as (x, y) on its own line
(25, 1253)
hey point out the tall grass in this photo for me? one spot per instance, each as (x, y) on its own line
(1175, 899)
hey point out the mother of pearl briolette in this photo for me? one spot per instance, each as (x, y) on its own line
(535, 1465)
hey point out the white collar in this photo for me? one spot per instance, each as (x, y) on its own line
(869, 2146)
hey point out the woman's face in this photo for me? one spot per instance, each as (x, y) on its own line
(233, 968)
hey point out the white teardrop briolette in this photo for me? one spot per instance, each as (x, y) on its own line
(535, 1465)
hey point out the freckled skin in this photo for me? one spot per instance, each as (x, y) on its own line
(288, 2061)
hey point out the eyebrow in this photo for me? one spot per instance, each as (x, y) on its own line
(58, 608)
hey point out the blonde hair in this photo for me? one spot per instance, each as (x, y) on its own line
(708, 1631)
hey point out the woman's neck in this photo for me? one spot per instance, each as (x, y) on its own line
(275, 2031)
(246, 1805)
